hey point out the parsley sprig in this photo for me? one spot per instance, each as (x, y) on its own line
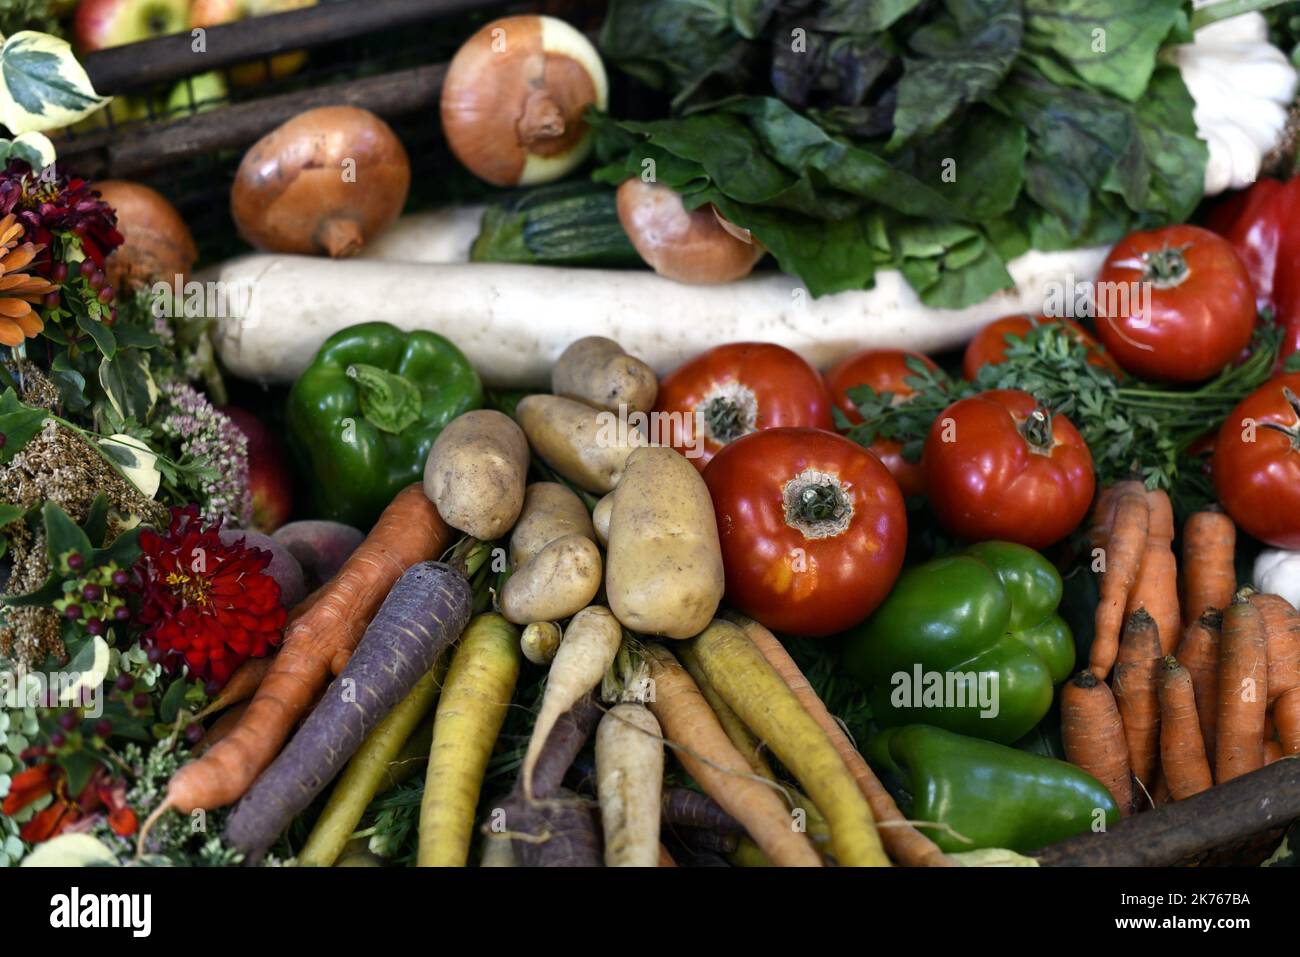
(1132, 428)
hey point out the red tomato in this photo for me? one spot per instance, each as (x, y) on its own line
(1201, 308)
(885, 370)
(989, 347)
(1257, 462)
(994, 470)
(737, 389)
(813, 529)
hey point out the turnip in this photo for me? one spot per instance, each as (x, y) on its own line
(320, 547)
(284, 567)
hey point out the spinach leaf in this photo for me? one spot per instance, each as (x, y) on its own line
(1109, 44)
(962, 58)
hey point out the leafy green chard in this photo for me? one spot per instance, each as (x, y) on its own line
(938, 138)
(1132, 428)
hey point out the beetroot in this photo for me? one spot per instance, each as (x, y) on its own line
(284, 568)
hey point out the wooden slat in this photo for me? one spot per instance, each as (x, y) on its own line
(158, 145)
(167, 59)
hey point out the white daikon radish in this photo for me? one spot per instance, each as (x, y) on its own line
(438, 236)
(513, 321)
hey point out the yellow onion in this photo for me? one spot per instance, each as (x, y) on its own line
(327, 181)
(513, 99)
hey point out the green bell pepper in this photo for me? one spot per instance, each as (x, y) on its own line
(365, 412)
(970, 642)
(993, 795)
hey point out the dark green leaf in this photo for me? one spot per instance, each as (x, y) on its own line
(1109, 44)
(19, 424)
(79, 766)
(105, 342)
(123, 551)
(960, 59)
(96, 524)
(62, 535)
(134, 337)
(172, 701)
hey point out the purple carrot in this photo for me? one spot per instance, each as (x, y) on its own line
(687, 808)
(571, 731)
(424, 613)
(561, 831)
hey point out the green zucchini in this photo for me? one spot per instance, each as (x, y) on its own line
(564, 224)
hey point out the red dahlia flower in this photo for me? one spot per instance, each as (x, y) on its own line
(58, 203)
(206, 604)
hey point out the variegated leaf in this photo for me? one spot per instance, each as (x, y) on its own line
(35, 149)
(42, 86)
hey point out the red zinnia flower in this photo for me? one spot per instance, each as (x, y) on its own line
(207, 604)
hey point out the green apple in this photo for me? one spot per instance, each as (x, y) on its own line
(110, 23)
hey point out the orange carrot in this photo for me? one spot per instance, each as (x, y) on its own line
(1272, 752)
(905, 844)
(1093, 735)
(1156, 588)
(1209, 572)
(1198, 652)
(222, 726)
(408, 531)
(1282, 634)
(1120, 524)
(1160, 795)
(1286, 715)
(1135, 687)
(1243, 692)
(1282, 637)
(1183, 764)
(243, 684)
(709, 757)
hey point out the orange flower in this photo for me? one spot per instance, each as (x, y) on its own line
(18, 290)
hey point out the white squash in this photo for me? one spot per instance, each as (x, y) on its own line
(1242, 86)
(513, 321)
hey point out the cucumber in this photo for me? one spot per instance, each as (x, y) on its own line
(565, 224)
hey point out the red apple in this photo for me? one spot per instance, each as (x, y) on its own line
(110, 23)
(210, 13)
(268, 475)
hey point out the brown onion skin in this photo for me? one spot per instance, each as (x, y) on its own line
(688, 246)
(493, 116)
(158, 244)
(293, 193)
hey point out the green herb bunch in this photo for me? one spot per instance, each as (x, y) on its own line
(1132, 428)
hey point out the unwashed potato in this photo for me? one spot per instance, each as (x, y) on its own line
(551, 510)
(587, 446)
(476, 471)
(664, 564)
(597, 371)
(560, 581)
(600, 518)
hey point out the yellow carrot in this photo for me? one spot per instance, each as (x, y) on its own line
(759, 696)
(475, 699)
(368, 772)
